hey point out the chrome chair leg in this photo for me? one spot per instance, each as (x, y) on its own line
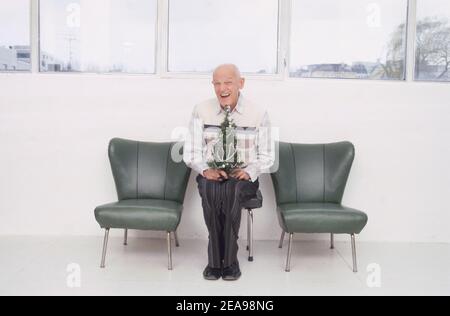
(250, 254)
(105, 246)
(355, 266)
(177, 244)
(288, 260)
(169, 250)
(281, 240)
(248, 231)
(332, 241)
(125, 237)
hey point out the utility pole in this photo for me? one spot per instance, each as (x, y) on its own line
(70, 39)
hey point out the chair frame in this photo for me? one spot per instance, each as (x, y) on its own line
(291, 237)
(125, 243)
(250, 234)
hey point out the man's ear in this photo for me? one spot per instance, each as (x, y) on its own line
(242, 83)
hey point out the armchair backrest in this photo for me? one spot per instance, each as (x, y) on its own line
(145, 170)
(309, 173)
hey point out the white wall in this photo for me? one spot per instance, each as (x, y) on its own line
(54, 131)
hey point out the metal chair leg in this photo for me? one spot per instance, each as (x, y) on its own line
(355, 265)
(288, 260)
(281, 240)
(250, 254)
(248, 231)
(105, 246)
(332, 241)
(169, 250)
(177, 244)
(125, 237)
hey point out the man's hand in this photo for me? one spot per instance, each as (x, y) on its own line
(240, 174)
(215, 174)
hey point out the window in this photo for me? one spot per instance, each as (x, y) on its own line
(433, 40)
(98, 36)
(205, 33)
(363, 39)
(15, 36)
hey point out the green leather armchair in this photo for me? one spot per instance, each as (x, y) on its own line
(150, 188)
(309, 185)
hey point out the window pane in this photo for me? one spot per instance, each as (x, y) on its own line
(348, 39)
(433, 40)
(205, 33)
(15, 35)
(98, 35)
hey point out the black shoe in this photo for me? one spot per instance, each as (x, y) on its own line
(231, 273)
(212, 274)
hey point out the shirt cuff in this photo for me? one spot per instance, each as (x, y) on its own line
(252, 172)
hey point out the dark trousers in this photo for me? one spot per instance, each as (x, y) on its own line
(222, 205)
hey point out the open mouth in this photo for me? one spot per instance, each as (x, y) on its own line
(225, 95)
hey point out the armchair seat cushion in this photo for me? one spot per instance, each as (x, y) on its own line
(321, 218)
(142, 214)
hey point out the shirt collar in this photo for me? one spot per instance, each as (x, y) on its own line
(239, 106)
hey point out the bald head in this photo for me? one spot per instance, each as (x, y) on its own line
(227, 83)
(230, 69)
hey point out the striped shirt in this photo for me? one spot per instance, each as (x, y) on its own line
(255, 146)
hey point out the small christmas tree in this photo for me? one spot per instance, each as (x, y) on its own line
(225, 156)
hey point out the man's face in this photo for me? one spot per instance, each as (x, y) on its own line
(227, 84)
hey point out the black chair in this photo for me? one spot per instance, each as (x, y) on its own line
(250, 205)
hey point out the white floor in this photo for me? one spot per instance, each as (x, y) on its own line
(42, 266)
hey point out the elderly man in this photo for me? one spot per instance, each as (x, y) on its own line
(223, 193)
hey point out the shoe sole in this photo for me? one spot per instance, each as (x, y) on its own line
(231, 278)
(211, 278)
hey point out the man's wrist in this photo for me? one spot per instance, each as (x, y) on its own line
(203, 171)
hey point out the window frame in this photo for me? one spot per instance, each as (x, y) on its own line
(410, 7)
(414, 49)
(155, 56)
(283, 51)
(30, 41)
